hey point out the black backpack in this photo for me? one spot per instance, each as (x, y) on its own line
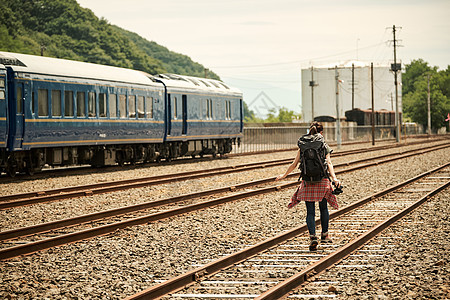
(312, 158)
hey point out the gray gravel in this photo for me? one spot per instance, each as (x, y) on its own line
(414, 266)
(123, 263)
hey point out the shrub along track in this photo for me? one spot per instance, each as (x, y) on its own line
(49, 238)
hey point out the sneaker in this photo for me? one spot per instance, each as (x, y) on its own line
(325, 238)
(313, 244)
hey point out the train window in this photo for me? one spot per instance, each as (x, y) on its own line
(175, 108)
(112, 106)
(81, 104)
(33, 100)
(122, 106)
(2, 92)
(141, 110)
(68, 103)
(132, 106)
(91, 105)
(56, 103)
(228, 110)
(209, 112)
(43, 103)
(149, 105)
(102, 105)
(19, 100)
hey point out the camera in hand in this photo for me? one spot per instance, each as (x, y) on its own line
(337, 190)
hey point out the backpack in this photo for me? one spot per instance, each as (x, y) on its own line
(312, 158)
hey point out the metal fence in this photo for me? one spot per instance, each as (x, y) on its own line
(257, 139)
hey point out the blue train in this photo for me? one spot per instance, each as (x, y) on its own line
(59, 112)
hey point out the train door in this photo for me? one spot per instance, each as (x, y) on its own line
(184, 112)
(19, 129)
(16, 99)
(169, 114)
(3, 108)
(241, 106)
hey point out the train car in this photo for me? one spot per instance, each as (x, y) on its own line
(364, 117)
(325, 119)
(64, 112)
(204, 116)
(58, 112)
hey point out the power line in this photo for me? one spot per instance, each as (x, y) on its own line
(294, 61)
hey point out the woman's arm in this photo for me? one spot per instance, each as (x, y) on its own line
(291, 167)
(331, 171)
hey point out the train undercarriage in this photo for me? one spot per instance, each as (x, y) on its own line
(32, 161)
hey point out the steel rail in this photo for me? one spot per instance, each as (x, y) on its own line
(100, 188)
(105, 229)
(435, 138)
(182, 160)
(174, 175)
(158, 177)
(44, 227)
(211, 268)
(285, 287)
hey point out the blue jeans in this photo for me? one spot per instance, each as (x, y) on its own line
(311, 216)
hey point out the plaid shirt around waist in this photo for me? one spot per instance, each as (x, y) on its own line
(314, 192)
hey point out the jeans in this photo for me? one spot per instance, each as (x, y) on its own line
(311, 216)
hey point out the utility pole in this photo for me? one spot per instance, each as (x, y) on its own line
(353, 86)
(43, 48)
(206, 73)
(373, 104)
(396, 67)
(338, 119)
(312, 84)
(429, 106)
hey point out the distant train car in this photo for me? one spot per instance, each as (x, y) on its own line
(325, 119)
(364, 117)
(62, 112)
(205, 116)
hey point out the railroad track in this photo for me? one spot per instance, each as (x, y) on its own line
(80, 170)
(275, 267)
(16, 200)
(43, 236)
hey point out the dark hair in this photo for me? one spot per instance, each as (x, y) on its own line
(315, 127)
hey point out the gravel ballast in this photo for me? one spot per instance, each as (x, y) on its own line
(128, 261)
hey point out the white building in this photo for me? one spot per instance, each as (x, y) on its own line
(325, 89)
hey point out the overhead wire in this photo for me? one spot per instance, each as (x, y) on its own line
(294, 61)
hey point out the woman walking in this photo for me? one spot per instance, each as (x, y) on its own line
(312, 191)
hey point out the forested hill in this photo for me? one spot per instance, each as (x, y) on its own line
(63, 29)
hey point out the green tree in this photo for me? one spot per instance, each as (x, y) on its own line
(66, 30)
(284, 115)
(415, 93)
(249, 115)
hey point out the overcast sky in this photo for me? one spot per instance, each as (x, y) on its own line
(261, 45)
